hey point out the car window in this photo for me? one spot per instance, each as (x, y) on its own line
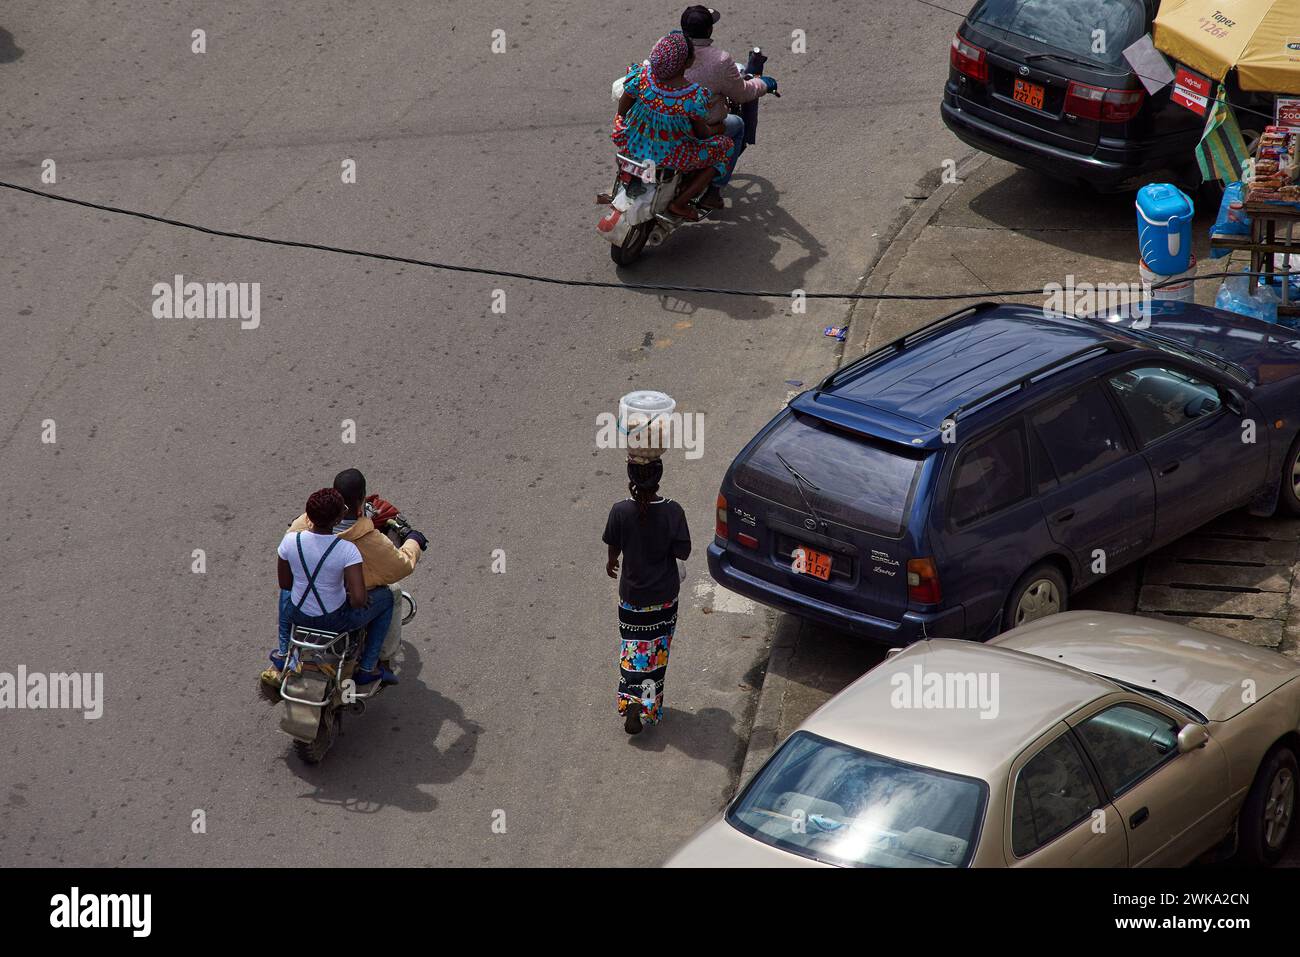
(1044, 474)
(1053, 793)
(1068, 25)
(859, 483)
(1162, 399)
(1080, 433)
(990, 475)
(831, 802)
(1128, 742)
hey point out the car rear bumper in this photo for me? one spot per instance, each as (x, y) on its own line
(947, 623)
(1105, 169)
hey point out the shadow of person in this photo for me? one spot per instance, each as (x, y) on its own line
(705, 735)
(389, 755)
(9, 51)
(736, 248)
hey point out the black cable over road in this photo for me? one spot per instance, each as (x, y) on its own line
(554, 280)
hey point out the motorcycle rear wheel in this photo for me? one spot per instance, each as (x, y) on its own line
(331, 722)
(633, 244)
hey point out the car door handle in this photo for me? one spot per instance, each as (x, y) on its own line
(1171, 467)
(1063, 516)
(1137, 817)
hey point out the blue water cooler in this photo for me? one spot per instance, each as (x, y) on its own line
(1164, 218)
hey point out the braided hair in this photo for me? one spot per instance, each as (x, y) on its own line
(324, 507)
(643, 483)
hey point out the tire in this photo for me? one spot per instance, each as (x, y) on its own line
(1041, 591)
(331, 722)
(1267, 820)
(633, 244)
(1289, 493)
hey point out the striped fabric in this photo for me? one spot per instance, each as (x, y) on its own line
(1222, 150)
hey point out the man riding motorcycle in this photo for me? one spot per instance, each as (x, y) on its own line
(714, 69)
(382, 562)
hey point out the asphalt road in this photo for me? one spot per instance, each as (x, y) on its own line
(179, 434)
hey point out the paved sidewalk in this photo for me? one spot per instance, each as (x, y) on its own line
(1006, 228)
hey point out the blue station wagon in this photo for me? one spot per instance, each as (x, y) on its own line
(970, 476)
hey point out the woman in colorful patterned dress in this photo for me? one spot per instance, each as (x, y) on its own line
(650, 533)
(661, 117)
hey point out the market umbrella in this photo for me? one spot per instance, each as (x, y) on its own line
(1259, 38)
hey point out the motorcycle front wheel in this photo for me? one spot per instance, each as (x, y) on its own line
(633, 244)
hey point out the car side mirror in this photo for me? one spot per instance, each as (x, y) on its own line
(1234, 401)
(1191, 737)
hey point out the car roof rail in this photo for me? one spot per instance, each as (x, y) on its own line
(902, 343)
(1024, 381)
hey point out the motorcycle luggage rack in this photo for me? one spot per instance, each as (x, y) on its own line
(644, 170)
(323, 648)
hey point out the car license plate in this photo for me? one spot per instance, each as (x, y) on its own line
(1030, 94)
(808, 561)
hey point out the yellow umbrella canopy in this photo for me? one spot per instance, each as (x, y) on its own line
(1260, 38)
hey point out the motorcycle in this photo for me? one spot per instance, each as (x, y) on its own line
(638, 215)
(317, 686)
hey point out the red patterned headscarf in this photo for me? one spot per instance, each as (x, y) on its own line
(669, 56)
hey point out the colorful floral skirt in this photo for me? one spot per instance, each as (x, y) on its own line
(687, 153)
(645, 637)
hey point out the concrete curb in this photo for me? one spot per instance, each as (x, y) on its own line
(883, 271)
(764, 731)
(766, 725)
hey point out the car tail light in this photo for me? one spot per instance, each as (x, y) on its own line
(923, 581)
(968, 59)
(720, 528)
(1099, 103)
(749, 541)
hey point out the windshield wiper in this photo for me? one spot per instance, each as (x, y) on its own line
(799, 483)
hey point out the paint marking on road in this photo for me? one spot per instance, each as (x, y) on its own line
(710, 593)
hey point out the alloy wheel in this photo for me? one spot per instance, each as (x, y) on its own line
(1278, 808)
(1040, 599)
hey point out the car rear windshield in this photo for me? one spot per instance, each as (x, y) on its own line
(857, 482)
(1068, 25)
(836, 804)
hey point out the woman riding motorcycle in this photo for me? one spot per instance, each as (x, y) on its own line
(662, 117)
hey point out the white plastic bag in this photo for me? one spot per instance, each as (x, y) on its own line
(616, 90)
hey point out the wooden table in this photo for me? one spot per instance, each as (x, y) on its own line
(1272, 232)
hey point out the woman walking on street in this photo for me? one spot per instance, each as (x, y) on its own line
(650, 533)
